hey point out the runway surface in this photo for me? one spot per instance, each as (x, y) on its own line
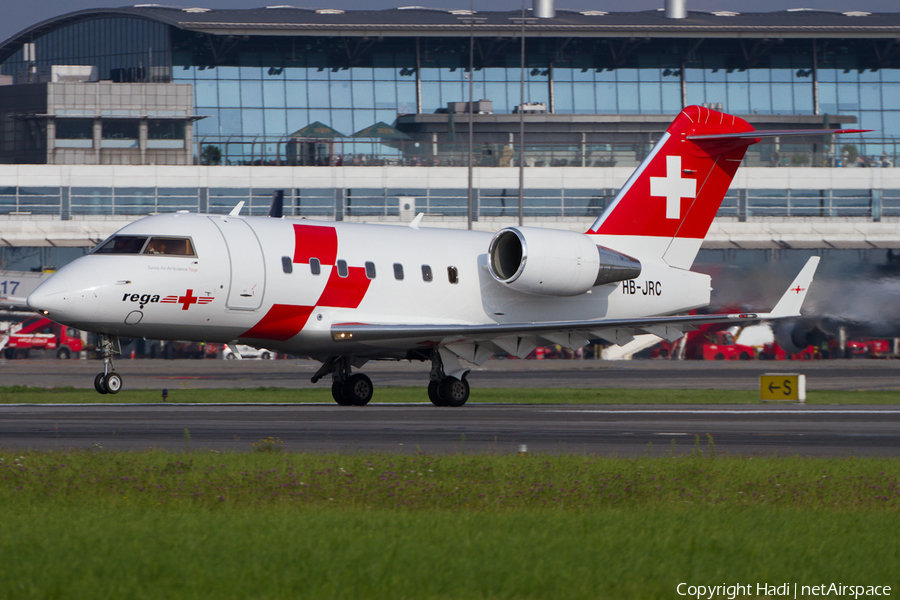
(191, 374)
(609, 430)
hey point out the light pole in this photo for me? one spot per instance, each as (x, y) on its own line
(471, 20)
(523, 19)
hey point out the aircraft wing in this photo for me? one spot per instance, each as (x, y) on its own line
(476, 341)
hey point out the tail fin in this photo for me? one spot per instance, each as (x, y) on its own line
(667, 205)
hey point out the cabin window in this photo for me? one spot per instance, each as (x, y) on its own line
(370, 270)
(342, 268)
(398, 271)
(453, 275)
(122, 244)
(427, 275)
(170, 246)
(286, 264)
(315, 267)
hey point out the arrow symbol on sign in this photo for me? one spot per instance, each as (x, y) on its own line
(773, 387)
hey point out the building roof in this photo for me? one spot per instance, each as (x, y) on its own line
(419, 21)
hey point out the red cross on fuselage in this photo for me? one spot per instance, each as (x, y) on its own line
(797, 289)
(187, 299)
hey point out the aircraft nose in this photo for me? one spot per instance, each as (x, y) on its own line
(51, 297)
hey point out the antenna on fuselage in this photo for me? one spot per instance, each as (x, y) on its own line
(236, 211)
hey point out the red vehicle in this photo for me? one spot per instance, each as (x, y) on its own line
(868, 349)
(774, 352)
(717, 345)
(39, 334)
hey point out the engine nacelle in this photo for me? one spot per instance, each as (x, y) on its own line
(794, 336)
(551, 262)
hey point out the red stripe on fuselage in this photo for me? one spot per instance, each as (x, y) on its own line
(345, 292)
(314, 241)
(282, 322)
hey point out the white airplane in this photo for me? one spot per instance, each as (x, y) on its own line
(346, 293)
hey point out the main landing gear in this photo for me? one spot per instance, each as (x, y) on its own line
(108, 382)
(444, 389)
(447, 384)
(347, 389)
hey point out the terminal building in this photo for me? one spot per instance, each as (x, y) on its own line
(110, 114)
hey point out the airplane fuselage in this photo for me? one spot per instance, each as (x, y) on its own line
(283, 283)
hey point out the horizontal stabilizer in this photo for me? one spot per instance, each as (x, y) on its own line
(752, 135)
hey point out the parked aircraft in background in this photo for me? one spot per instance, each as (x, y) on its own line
(347, 293)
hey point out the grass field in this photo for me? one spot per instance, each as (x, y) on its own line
(68, 395)
(269, 524)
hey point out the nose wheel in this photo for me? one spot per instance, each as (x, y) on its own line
(108, 382)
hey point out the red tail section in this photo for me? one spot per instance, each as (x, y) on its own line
(676, 192)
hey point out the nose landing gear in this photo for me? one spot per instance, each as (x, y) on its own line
(108, 382)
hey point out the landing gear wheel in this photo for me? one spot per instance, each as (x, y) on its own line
(99, 384)
(112, 383)
(358, 389)
(454, 391)
(434, 394)
(337, 392)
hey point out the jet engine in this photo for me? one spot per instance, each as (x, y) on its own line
(795, 336)
(551, 262)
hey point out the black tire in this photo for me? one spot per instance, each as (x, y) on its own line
(744, 356)
(265, 356)
(337, 392)
(434, 394)
(454, 391)
(100, 384)
(63, 353)
(229, 356)
(720, 356)
(21, 353)
(112, 383)
(358, 389)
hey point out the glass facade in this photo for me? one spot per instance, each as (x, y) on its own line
(124, 49)
(256, 90)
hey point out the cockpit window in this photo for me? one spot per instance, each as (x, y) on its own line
(122, 244)
(170, 245)
(135, 244)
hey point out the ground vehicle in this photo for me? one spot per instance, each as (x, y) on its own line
(717, 345)
(40, 334)
(868, 348)
(247, 352)
(773, 351)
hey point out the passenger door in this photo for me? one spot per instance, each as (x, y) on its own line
(248, 269)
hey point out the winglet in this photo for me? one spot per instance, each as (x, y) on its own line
(792, 300)
(415, 222)
(237, 209)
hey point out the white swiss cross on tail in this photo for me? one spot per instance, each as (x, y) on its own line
(673, 186)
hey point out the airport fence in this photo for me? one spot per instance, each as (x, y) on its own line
(405, 203)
